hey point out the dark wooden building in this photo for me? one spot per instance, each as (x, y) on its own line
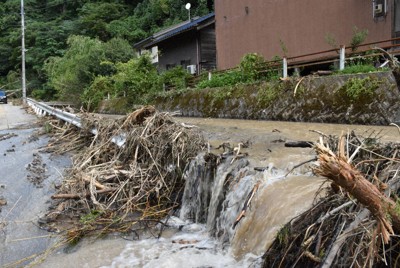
(190, 44)
(293, 27)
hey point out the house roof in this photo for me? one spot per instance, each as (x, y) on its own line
(175, 30)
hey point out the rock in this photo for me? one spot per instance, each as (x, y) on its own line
(3, 201)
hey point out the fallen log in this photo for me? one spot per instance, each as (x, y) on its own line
(336, 168)
(300, 144)
(323, 72)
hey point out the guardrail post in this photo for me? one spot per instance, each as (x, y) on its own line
(209, 76)
(342, 57)
(285, 68)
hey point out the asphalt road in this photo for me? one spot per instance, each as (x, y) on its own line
(14, 116)
(20, 236)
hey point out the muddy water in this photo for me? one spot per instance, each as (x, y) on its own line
(267, 137)
(275, 204)
(277, 200)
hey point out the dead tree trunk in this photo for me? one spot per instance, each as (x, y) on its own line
(337, 169)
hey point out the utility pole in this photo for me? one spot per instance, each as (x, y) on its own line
(23, 52)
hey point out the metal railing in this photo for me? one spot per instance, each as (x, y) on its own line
(42, 109)
(340, 55)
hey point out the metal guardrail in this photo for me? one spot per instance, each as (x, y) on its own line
(42, 109)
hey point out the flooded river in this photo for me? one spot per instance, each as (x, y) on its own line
(205, 233)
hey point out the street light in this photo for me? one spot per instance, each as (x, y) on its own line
(188, 5)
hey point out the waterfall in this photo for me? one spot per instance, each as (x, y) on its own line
(216, 193)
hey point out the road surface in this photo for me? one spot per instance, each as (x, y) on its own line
(14, 116)
(20, 142)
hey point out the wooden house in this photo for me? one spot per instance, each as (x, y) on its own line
(190, 44)
(293, 28)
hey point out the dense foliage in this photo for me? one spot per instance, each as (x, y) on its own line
(60, 32)
(252, 68)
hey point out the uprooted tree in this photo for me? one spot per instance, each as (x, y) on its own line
(353, 223)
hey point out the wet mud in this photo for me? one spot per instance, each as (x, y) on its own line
(37, 171)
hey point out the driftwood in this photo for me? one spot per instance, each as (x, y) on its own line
(96, 183)
(300, 144)
(79, 196)
(139, 116)
(299, 165)
(246, 205)
(323, 72)
(337, 169)
(354, 215)
(297, 86)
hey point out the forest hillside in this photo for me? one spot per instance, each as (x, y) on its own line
(54, 26)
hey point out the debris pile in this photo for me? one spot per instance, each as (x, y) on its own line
(355, 221)
(111, 188)
(7, 136)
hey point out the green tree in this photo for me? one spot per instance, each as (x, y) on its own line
(101, 87)
(75, 71)
(51, 23)
(136, 79)
(94, 18)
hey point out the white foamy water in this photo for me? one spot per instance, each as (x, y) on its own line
(184, 249)
(214, 201)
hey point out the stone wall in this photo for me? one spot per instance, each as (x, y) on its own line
(351, 99)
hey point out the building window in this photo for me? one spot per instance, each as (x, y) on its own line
(170, 66)
(185, 63)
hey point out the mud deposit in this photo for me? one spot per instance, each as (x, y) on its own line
(7, 136)
(37, 171)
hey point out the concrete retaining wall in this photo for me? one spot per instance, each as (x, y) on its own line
(351, 99)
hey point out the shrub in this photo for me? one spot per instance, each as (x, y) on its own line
(252, 68)
(358, 68)
(96, 92)
(136, 78)
(223, 79)
(251, 65)
(357, 88)
(358, 38)
(268, 94)
(176, 78)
